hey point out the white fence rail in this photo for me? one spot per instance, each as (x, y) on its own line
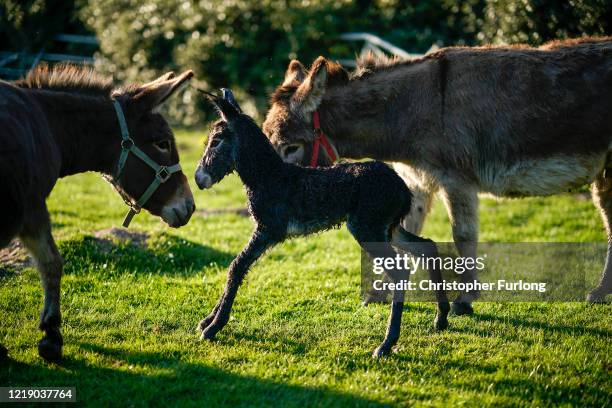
(14, 64)
(378, 46)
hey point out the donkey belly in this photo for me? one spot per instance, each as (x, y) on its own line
(29, 162)
(541, 176)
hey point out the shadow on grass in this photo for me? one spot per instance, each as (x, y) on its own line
(174, 382)
(552, 328)
(161, 254)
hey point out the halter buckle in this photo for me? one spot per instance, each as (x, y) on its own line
(127, 144)
(128, 217)
(163, 174)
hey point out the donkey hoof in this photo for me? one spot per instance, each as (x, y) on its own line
(3, 352)
(440, 323)
(50, 350)
(462, 308)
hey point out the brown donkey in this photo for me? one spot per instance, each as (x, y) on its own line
(510, 121)
(68, 120)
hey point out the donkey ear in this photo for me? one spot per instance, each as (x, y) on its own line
(153, 94)
(309, 94)
(295, 73)
(167, 76)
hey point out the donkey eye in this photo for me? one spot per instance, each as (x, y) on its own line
(163, 145)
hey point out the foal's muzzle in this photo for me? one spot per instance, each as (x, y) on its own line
(177, 211)
(203, 179)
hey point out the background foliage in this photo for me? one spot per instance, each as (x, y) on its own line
(247, 44)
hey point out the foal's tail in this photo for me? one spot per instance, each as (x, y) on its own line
(413, 243)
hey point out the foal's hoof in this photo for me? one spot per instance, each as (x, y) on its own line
(3, 352)
(210, 332)
(50, 350)
(203, 325)
(462, 308)
(207, 335)
(368, 299)
(440, 323)
(382, 351)
(596, 297)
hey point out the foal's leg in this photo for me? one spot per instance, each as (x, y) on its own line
(417, 246)
(42, 247)
(602, 196)
(259, 243)
(462, 204)
(363, 233)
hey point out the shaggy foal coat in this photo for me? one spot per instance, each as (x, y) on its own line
(286, 200)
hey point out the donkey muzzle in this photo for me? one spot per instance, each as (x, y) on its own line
(177, 211)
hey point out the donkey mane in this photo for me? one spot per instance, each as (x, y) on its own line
(371, 63)
(367, 64)
(67, 78)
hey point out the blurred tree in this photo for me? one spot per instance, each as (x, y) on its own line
(537, 21)
(29, 25)
(247, 45)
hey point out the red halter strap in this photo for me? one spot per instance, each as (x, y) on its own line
(320, 139)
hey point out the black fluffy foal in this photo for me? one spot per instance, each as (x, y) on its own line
(286, 200)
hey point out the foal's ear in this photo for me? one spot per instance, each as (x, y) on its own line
(153, 94)
(228, 95)
(295, 73)
(309, 94)
(226, 104)
(227, 110)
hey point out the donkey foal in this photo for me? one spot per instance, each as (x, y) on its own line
(286, 200)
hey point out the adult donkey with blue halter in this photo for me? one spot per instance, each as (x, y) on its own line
(68, 120)
(508, 121)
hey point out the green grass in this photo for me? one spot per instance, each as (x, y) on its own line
(299, 335)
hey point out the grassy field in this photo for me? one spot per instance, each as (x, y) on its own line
(299, 335)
